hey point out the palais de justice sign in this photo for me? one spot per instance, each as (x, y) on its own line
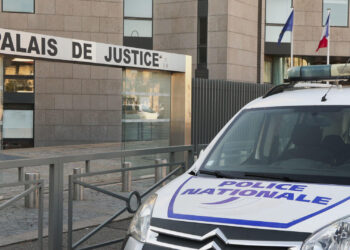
(58, 48)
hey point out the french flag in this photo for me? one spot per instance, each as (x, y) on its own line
(325, 36)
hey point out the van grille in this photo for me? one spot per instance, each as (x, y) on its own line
(181, 242)
(179, 234)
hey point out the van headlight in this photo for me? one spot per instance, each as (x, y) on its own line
(335, 236)
(140, 223)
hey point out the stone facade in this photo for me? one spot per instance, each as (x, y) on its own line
(175, 27)
(233, 37)
(75, 103)
(308, 31)
(232, 40)
(82, 104)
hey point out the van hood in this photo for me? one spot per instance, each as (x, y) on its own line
(299, 207)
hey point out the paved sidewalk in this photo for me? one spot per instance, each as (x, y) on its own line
(19, 223)
(112, 231)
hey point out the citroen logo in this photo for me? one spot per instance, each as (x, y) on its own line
(216, 232)
(211, 245)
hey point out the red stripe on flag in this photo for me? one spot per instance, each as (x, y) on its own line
(323, 43)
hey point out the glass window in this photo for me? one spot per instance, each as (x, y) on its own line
(26, 6)
(276, 68)
(273, 33)
(277, 11)
(146, 106)
(203, 30)
(339, 12)
(138, 8)
(18, 124)
(19, 75)
(138, 28)
(299, 142)
(138, 23)
(202, 55)
(19, 85)
(19, 66)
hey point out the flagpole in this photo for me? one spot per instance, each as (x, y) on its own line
(329, 36)
(292, 45)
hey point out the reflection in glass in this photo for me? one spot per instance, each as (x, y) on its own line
(19, 66)
(146, 106)
(18, 5)
(19, 85)
(277, 11)
(339, 12)
(19, 75)
(273, 32)
(276, 68)
(138, 8)
(18, 124)
(138, 28)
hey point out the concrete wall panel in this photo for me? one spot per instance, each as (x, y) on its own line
(175, 27)
(75, 103)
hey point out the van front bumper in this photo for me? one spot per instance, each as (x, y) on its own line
(133, 244)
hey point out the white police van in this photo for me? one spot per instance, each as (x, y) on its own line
(276, 177)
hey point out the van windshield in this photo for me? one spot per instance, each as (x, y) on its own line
(310, 144)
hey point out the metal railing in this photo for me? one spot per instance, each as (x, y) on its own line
(75, 179)
(56, 177)
(35, 185)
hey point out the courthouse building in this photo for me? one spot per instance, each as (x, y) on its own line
(59, 103)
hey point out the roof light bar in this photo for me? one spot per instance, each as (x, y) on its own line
(319, 72)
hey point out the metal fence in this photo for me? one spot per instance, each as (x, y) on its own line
(56, 166)
(129, 206)
(32, 186)
(215, 102)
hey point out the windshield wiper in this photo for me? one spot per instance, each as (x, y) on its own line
(245, 175)
(222, 174)
(271, 177)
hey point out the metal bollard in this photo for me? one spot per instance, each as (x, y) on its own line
(20, 174)
(87, 166)
(126, 177)
(32, 199)
(78, 190)
(160, 172)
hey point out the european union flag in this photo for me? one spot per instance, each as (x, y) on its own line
(287, 27)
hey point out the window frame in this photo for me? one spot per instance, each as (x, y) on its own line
(18, 12)
(17, 107)
(138, 39)
(29, 77)
(337, 26)
(9, 143)
(275, 24)
(18, 101)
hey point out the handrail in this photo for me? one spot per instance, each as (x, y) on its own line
(56, 177)
(74, 179)
(36, 185)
